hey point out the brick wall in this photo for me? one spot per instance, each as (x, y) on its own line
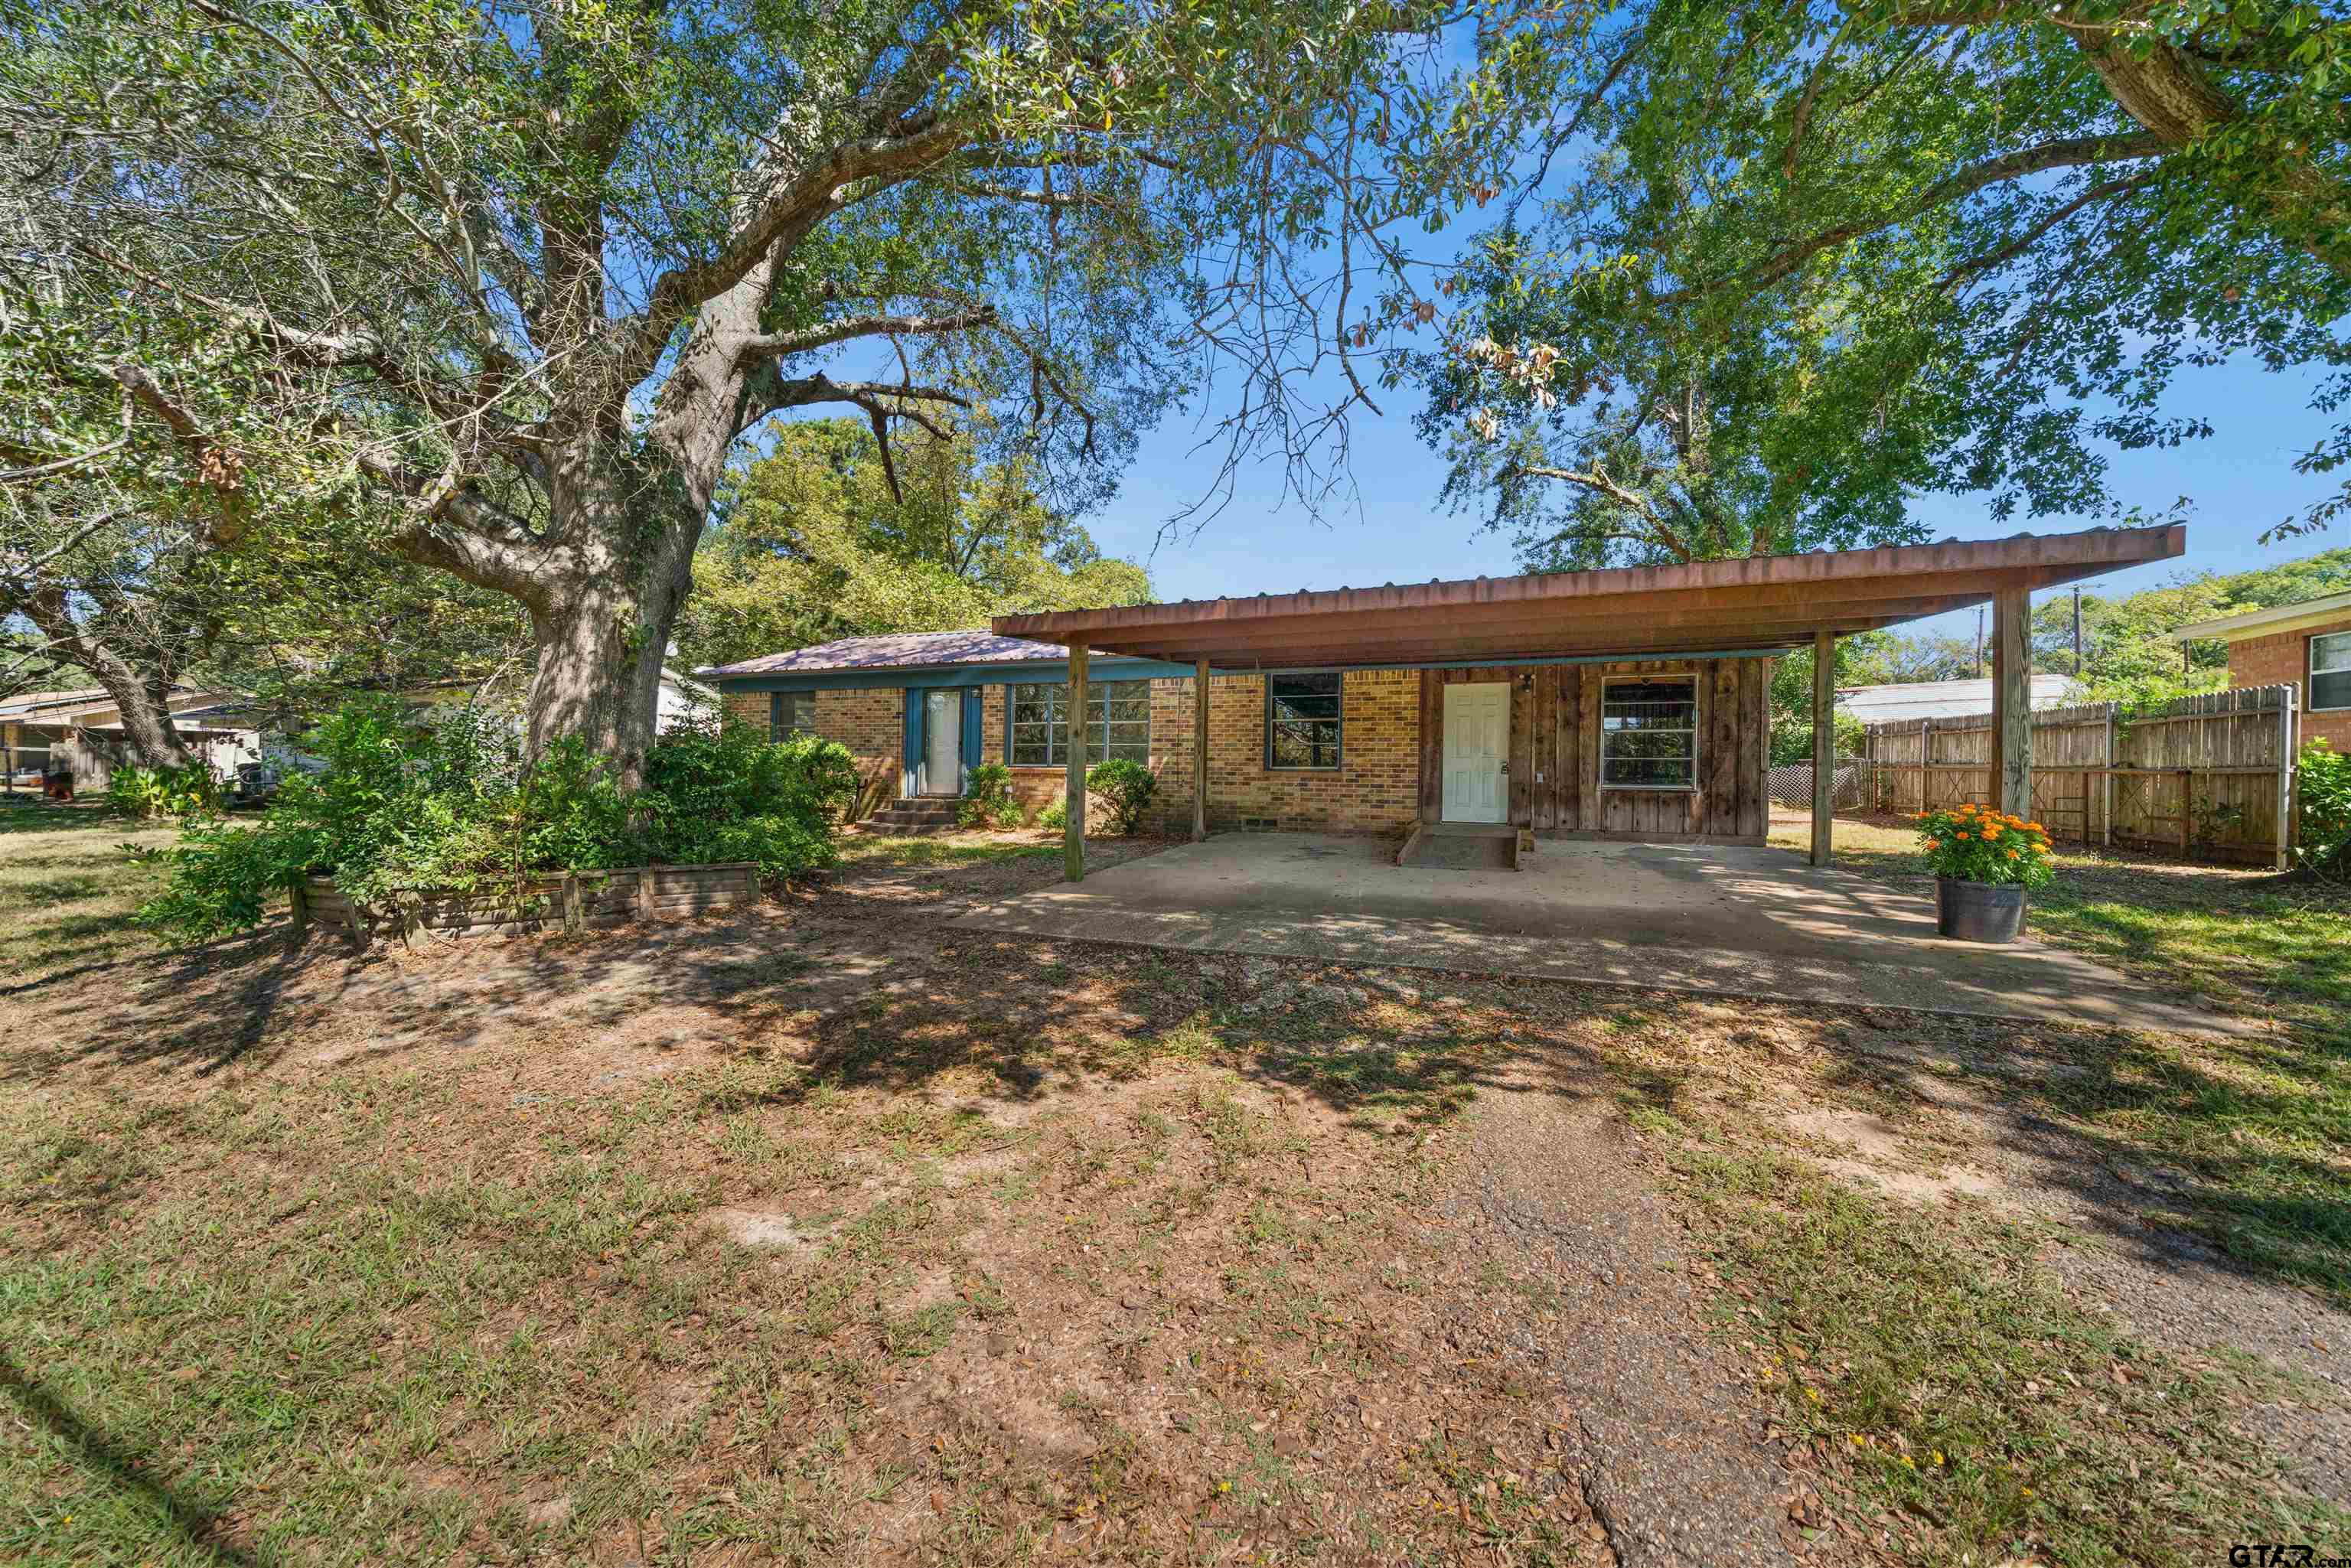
(870, 723)
(2283, 659)
(1375, 790)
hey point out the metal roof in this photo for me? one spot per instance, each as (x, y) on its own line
(1943, 699)
(898, 650)
(1749, 603)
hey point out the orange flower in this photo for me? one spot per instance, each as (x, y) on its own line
(1961, 834)
(1992, 831)
(2011, 854)
(1933, 844)
(2036, 827)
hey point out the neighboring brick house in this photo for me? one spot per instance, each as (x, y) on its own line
(2306, 645)
(1328, 750)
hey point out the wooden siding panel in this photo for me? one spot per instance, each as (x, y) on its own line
(1522, 749)
(1431, 743)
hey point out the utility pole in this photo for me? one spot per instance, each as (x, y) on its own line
(1979, 667)
(2077, 631)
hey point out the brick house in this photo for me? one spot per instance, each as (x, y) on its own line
(1627, 703)
(2305, 645)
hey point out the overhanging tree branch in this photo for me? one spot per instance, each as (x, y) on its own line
(2065, 152)
(824, 334)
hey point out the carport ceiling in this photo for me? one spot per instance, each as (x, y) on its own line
(1751, 602)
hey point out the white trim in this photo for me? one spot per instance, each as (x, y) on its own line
(2310, 671)
(2277, 618)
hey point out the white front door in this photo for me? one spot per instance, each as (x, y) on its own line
(1477, 747)
(943, 749)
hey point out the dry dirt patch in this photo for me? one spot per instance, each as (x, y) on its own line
(802, 1234)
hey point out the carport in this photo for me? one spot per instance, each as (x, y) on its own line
(1689, 639)
(1702, 918)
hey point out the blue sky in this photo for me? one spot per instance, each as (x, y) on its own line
(2242, 481)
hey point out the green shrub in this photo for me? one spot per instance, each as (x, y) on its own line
(1125, 789)
(987, 799)
(719, 793)
(1054, 816)
(2322, 789)
(187, 790)
(407, 804)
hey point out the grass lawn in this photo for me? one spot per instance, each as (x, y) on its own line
(2252, 941)
(962, 847)
(1042, 1252)
(67, 890)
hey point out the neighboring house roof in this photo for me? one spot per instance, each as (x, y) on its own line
(2277, 618)
(24, 703)
(898, 651)
(70, 706)
(1943, 699)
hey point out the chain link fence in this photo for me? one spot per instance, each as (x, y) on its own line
(1848, 784)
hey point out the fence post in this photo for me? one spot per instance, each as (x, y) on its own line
(2285, 777)
(2107, 806)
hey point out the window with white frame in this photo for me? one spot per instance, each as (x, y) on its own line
(1648, 733)
(1036, 728)
(2330, 670)
(789, 712)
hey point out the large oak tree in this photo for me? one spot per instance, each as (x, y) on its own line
(536, 269)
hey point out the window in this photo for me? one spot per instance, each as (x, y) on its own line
(2330, 670)
(1301, 721)
(1036, 728)
(1648, 734)
(791, 711)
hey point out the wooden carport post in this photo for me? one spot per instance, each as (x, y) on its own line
(1199, 750)
(2011, 702)
(1823, 742)
(1073, 832)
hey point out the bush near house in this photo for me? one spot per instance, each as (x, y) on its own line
(449, 804)
(1126, 787)
(2321, 789)
(987, 799)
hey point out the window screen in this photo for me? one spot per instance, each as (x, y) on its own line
(2330, 670)
(791, 711)
(1301, 721)
(1118, 722)
(1648, 734)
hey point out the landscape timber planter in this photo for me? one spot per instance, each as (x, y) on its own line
(1979, 911)
(552, 900)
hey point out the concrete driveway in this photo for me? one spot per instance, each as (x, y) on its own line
(1694, 917)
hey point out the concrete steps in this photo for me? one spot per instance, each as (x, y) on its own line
(913, 817)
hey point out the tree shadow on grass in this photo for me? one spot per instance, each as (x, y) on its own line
(120, 1465)
(2150, 1140)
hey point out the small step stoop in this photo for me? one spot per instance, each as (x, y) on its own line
(913, 818)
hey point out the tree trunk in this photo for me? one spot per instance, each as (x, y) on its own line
(602, 609)
(143, 695)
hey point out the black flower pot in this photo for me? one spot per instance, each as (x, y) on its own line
(1979, 911)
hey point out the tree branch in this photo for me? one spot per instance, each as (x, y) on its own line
(2066, 153)
(774, 345)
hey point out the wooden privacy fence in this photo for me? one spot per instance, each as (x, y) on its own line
(2208, 775)
(574, 901)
